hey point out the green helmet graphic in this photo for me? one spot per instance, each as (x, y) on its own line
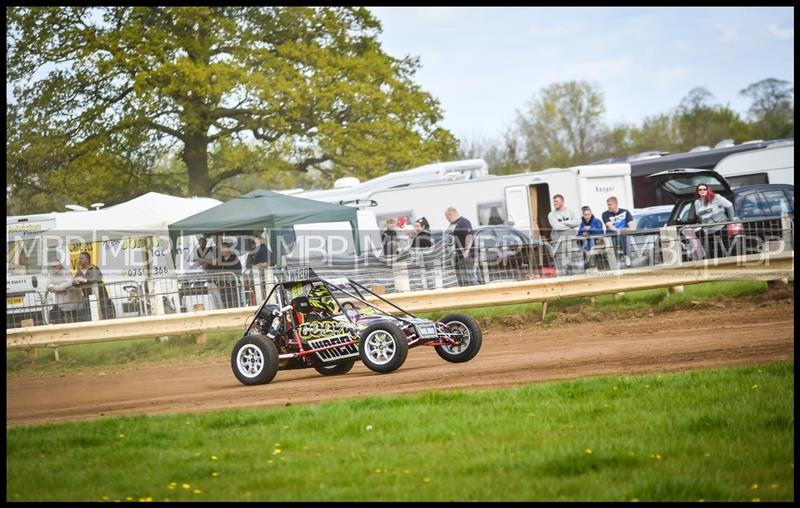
(320, 299)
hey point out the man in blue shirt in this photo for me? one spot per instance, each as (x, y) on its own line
(618, 220)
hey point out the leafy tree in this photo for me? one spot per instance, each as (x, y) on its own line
(294, 88)
(700, 122)
(772, 111)
(563, 125)
(501, 156)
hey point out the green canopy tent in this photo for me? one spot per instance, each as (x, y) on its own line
(261, 209)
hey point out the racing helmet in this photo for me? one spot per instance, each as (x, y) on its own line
(321, 300)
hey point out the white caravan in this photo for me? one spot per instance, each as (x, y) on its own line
(522, 200)
(349, 189)
(773, 164)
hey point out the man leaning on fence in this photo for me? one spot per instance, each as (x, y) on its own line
(564, 223)
(458, 243)
(64, 296)
(619, 221)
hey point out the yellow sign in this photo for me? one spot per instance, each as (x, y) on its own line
(15, 300)
(75, 249)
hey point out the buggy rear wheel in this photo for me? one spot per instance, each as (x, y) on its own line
(470, 341)
(333, 369)
(383, 347)
(254, 360)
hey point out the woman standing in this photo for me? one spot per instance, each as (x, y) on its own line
(422, 237)
(711, 208)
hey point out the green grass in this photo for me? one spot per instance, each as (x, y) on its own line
(219, 344)
(722, 434)
(659, 299)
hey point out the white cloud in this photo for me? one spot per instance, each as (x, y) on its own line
(784, 34)
(730, 34)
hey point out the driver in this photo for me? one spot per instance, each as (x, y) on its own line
(321, 303)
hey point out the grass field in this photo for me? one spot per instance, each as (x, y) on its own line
(219, 344)
(723, 434)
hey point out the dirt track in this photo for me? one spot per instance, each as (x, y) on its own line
(760, 329)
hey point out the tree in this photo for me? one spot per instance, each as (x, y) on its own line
(563, 125)
(701, 122)
(311, 88)
(501, 156)
(772, 111)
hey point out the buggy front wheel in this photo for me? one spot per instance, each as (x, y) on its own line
(469, 336)
(254, 360)
(383, 347)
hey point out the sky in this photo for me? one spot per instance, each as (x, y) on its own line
(485, 63)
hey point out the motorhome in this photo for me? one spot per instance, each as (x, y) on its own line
(349, 190)
(773, 164)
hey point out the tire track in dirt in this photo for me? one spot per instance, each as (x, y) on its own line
(711, 335)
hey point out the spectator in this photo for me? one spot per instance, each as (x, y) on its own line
(228, 261)
(203, 254)
(66, 297)
(422, 235)
(590, 226)
(458, 243)
(619, 221)
(563, 223)
(91, 278)
(389, 238)
(710, 208)
(258, 259)
(260, 255)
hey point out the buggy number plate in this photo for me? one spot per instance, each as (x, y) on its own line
(427, 331)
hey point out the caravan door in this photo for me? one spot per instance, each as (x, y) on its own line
(527, 207)
(518, 207)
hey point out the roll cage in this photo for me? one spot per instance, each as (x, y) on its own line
(342, 285)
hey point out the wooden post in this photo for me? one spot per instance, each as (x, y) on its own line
(30, 352)
(544, 310)
(202, 337)
(55, 353)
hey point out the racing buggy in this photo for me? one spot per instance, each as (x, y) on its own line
(328, 324)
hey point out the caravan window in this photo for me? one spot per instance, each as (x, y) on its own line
(23, 256)
(381, 219)
(741, 181)
(491, 214)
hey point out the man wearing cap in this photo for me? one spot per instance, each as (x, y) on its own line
(65, 296)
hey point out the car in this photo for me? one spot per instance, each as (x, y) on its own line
(763, 200)
(644, 248)
(503, 253)
(759, 207)
(652, 217)
(327, 324)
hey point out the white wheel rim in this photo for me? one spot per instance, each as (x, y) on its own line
(380, 347)
(460, 328)
(250, 360)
